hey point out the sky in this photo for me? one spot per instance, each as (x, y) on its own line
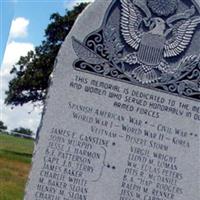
(22, 28)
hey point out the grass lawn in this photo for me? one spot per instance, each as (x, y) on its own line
(15, 160)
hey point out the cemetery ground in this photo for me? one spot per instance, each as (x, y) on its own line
(15, 163)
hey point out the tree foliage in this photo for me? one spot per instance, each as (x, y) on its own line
(22, 130)
(2, 126)
(31, 73)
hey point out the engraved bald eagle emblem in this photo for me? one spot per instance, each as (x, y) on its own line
(160, 41)
(151, 43)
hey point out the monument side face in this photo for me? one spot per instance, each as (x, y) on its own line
(122, 118)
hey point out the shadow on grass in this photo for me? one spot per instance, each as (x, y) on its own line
(19, 156)
(17, 153)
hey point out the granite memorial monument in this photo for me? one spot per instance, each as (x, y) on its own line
(122, 115)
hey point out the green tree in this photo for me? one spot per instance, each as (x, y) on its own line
(2, 126)
(31, 73)
(22, 130)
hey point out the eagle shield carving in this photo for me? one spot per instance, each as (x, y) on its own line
(151, 43)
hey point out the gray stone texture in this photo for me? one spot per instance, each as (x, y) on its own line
(128, 141)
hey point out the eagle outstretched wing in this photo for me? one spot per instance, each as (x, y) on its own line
(183, 37)
(130, 21)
